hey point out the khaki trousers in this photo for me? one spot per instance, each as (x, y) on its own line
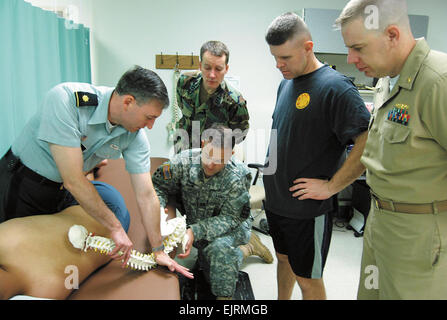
(404, 256)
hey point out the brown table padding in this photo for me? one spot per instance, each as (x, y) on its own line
(113, 282)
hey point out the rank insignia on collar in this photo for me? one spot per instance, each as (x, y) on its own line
(167, 171)
(84, 99)
(399, 114)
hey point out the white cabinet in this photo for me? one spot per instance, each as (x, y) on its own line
(321, 25)
(367, 95)
(419, 25)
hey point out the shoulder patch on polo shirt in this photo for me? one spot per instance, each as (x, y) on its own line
(84, 99)
(167, 171)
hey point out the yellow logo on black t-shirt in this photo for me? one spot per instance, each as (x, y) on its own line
(303, 101)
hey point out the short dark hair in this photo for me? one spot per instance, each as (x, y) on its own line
(144, 85)
(220, 136)
(284, 28)
(216, 48)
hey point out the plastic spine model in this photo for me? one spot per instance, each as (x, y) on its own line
(173, 232)
(176, 113)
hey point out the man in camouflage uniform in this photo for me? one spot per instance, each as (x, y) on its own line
(205, 98)
(211, 189)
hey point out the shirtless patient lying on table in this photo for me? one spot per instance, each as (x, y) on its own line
(35, 251)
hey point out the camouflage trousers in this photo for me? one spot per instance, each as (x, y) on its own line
(221, 260)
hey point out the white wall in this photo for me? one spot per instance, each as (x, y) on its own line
(131, 32)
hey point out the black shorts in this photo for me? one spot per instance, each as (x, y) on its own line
(305, 242)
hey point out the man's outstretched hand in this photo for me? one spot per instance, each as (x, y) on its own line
(163, 259)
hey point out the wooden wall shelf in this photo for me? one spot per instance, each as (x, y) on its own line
(168, 61)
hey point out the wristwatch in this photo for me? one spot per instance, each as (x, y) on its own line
(160, 248)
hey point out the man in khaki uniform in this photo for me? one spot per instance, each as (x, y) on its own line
(405, 154)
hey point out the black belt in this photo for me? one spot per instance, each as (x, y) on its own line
(14, 164)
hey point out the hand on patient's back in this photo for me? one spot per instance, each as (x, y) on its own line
(123, 246)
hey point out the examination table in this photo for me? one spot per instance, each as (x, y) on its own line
(113, 282)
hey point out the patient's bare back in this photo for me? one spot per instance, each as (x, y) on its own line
(36, 253)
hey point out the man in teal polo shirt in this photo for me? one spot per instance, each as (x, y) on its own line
(77, 127)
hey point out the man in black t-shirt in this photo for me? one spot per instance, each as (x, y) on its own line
(318, 113)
